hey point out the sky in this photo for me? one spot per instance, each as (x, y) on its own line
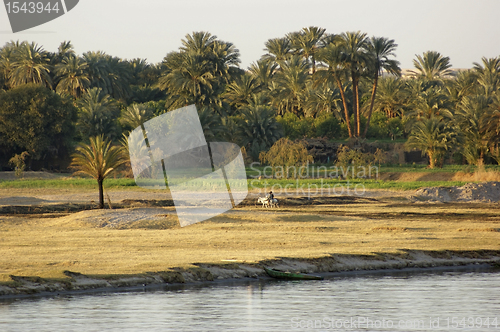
(464, 30)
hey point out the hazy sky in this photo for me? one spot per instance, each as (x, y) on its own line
(464, 30)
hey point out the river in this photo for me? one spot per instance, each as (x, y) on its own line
(403, 301)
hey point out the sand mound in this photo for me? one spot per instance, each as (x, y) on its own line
(115, 218)
(488, 192)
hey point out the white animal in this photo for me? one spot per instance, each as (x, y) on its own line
(266, 203)
(275, 203)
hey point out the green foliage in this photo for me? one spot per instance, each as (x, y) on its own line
(295, 127)
(395, 127)
(66, 183)
(98, 115)
(432, 65)
(305, 76)
(72, 76)
(134, 116)
(99, 159)
(199, 72)
(286, 157)
(379, 156)
(349, 185)
(257, 129)
(18, 161)
(353, 163)
(378, 125)
(434, 137)
(211, 124)
(328, 126)
(30, 64)
(110, 74)
(37, 120)
(473, 118)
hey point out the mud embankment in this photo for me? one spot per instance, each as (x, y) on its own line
(327, 266)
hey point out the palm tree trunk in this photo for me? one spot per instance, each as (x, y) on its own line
(101, 193)
(372, 102)
(431, 159)
(358, 111)
(344, 102)
(355, 104)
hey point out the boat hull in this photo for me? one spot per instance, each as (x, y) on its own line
(290, 275)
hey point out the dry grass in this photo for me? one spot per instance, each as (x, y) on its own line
(45, 247)
(478, 175)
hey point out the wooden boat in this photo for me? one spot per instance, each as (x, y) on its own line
(290, 275)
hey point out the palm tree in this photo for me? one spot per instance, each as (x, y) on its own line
(98, 159)
(239, 92)
(143, 73)
(135, 115)
(494, 127)
(473, 117)
(199, 43)
(120, 75)
(278, 49)
(64, 50)
(111, 74)
(225, 59)
(258, 129)
(431, 102)
(335, 72)
(211, 124)
(98, 70)
(392, 96)
(432, 66)
(72, 76)
(190, 83)
(324, 99)
(6, 60)
(433, 137)
(488, 74)
(355, 59)
(290, 84)
(263, 71)
(306, 43)
(379, 51)
(97, 115)
(30, 65)
(199, 72)
(465, 84)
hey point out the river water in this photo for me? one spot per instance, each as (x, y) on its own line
(423, 301)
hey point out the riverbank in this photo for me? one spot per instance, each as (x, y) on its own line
(53, 246)
(331, 266)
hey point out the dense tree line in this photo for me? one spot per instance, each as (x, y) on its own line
(307, 83)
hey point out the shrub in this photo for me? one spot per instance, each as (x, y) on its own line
(327, 126)
(287, 157)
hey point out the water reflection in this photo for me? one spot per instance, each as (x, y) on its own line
(274, 306)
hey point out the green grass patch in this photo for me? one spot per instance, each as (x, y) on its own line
(320, 170)
(66, 183)
(445, 169)
(333, 186)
